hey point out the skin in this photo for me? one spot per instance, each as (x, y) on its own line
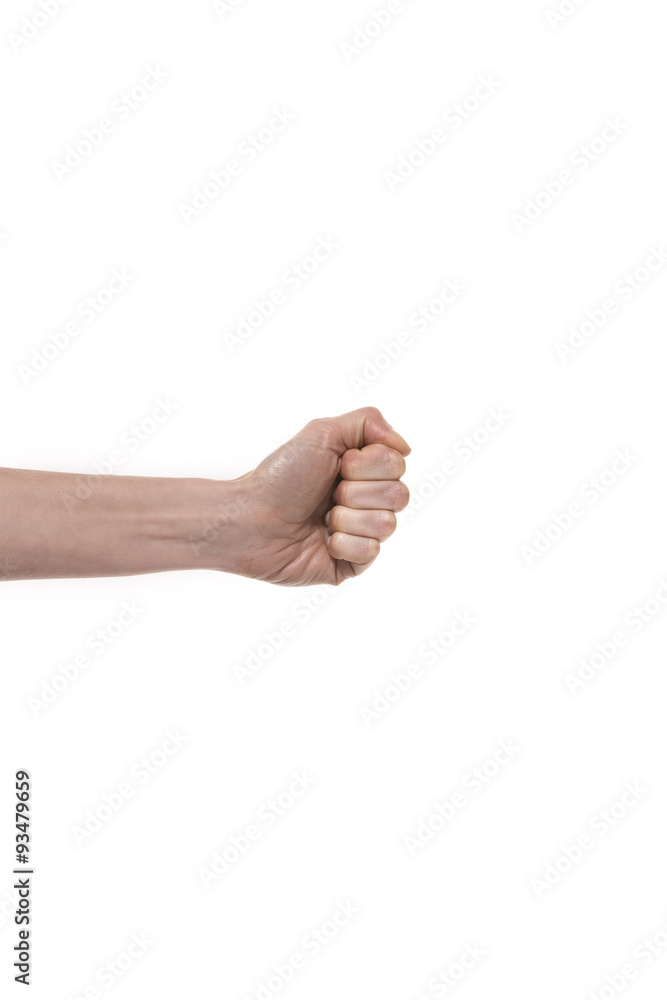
(315, 511)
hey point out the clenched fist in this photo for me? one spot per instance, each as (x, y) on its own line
(315, 511)
(320, 505)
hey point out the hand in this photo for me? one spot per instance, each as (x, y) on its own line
(314, 511)
(321, 504)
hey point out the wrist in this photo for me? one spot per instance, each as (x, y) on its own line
(65, 525)
(210, 529)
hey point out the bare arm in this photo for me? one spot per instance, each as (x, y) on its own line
(314, 511)
(57, 524)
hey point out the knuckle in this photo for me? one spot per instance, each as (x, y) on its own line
(349, 463)
(387, 522)
(342, 493)
(335, 518)
(335, 545)
(399, 495)
(397, 463)
(373, 548)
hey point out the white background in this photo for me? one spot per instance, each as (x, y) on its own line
(464, 550)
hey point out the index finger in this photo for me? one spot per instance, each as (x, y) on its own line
(375, 461)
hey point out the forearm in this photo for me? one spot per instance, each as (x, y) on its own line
(313, 512)
(56, 524)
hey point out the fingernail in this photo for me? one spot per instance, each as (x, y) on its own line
(327, 518)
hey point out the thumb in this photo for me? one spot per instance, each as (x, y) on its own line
(359, 428)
